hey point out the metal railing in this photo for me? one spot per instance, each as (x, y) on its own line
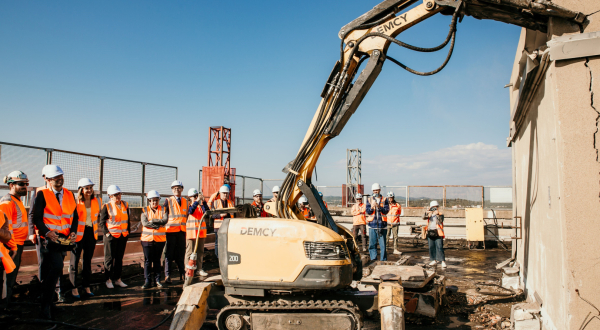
(135, 178)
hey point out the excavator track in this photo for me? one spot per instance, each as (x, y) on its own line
(289, 314)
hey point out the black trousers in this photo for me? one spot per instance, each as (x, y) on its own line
(51, 262)
(87, 245)
(114, 250)
(152, 253)
(356, 229)
(175, 251)
(12, 277)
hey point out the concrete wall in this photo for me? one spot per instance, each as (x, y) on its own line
(556, 177)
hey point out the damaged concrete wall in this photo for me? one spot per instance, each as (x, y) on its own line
(557, 182)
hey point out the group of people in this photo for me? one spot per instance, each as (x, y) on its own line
(382, 216)
(60, 221)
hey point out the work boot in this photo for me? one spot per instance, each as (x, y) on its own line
(109, 284)
(147, 285)
(61, 298)
(158, 285)
(444, 264)
(397, 252)
(202, 273)
(168, 280)
(120, 283)
(433, 263)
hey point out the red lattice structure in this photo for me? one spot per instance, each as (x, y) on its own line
(219, 147)
(348, 193)
(219, 171)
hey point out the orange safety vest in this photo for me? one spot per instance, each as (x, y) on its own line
(56, 217)
(177, 215)
(7, 262)
(15, 211)
(117, 221)
(154, 235)
(326, 206)
(193, 222)
(393, 215)
(306, 214)
(381, 205)
(82, 212)
(440, 227)
(263, 213)
(358, 214)
(218, 204)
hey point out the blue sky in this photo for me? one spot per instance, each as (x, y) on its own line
(144, 80)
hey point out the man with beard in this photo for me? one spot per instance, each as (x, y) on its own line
(259, 207)
(12, 206)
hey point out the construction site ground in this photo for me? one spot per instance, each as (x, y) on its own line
(134, 308)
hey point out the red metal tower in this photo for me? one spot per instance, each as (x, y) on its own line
(218, 171)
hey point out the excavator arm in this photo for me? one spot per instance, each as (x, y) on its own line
(368, 38)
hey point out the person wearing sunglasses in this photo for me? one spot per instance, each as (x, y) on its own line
(14, 209)
(114, 222)
(55, 217)
(88, 208)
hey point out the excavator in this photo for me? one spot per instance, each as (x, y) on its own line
(285, 272)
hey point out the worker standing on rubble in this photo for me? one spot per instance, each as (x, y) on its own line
(358, 220)
(393, 220)
(377, 208)
(55, 216)
(15, 212)
(176, 208)
(115, 224)
(435, 234)
(258, 205)
(154, 235)
(220, 203)
(88, 209)
(194, 224)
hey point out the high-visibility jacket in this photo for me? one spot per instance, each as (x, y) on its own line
(195, 223)
(56, 217)
(326, 206)
(440, 227)
(117, 219)
(377, 219)
(218, 204)
(393, 216)
(82, 213)
(154, 235)
(16, 213)
(7, 262)
(177, 215)
(358, 214)
(261, 210)
(306, 212)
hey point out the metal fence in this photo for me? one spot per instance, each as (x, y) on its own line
(133, 177)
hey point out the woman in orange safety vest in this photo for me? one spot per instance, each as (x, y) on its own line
(393, 220)
(88, 209)
(195, 228)
(153, 239)
(435, 233)
(114, 224)
(220, 203)
(359, 223)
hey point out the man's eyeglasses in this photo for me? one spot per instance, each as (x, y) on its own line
(22, 184)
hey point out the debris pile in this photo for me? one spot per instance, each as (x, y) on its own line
(486, 317)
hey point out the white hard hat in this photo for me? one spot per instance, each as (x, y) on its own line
(15, 176)
(224, 189)
(112, 189)
(375, 186)
(358, 196)
(391, 194)
(433, 203)
(303, 200)
(177, 183)
(84, 182)
(275, 189)
(45, 169)
(52, 171)
(256, 192)
(153, 194)
(192, 192)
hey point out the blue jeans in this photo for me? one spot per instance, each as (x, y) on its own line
(377, 236)
(436, 249)
(217, 242)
